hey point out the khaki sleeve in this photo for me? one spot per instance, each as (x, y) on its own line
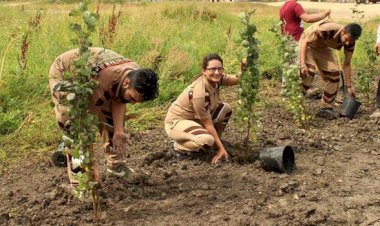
(229, 80)
(102, 94)
(312, 35)
(200, 101)
(199, 105)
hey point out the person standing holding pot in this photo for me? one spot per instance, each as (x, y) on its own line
(317, 45)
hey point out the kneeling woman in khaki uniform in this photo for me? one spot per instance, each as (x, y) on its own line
(197, 119)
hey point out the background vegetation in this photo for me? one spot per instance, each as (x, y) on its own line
(170, 37)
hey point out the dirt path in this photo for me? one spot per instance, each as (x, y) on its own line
(338, 10)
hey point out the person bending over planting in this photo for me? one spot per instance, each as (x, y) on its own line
(317, 46)
(197, 119)
(121, 81)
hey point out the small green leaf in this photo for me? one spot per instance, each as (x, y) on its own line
(70, 96)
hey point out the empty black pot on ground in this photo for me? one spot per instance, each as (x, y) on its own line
(280, 159)
(349, 107)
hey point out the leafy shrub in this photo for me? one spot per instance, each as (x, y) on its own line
(367, 69)
(9, 121)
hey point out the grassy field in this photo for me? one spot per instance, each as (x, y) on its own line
(171, 37)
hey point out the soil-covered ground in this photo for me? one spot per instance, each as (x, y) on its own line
(336, 181)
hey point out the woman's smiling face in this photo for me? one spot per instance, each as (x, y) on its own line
(214, 71)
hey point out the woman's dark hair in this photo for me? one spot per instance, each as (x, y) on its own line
(212, 56)
(145, 82)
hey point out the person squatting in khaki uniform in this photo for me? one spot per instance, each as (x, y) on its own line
(121, 81)
(197, 119)
(317, 46)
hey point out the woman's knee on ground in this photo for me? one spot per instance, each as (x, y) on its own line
(222, 113)
(204, 141)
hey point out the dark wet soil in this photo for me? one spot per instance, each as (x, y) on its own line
(336, 181)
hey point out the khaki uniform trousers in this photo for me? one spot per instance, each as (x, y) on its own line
(324, 60)
(190, 135)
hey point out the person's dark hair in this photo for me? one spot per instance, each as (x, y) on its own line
(145, 81)
(208, 58)
(354, 30)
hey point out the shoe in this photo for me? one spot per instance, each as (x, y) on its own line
(122, 171)
(59, 156)
(185, 155)
(327, 113)
(375, 114)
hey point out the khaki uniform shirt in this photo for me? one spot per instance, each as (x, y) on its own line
(112, 69)
(325, 34)
(198, 101)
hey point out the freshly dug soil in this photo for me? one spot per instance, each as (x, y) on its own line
(336, 182)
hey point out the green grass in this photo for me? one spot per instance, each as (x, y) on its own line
(179, 34)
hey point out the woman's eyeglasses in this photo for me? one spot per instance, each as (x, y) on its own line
(213, 69)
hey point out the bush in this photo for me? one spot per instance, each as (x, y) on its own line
(9, 121)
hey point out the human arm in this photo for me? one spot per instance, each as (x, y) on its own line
(221, 153)
(377, 45)
(347, 73)
(304, 49)
(229, 80)
(201, 108)
(311, 18)
(119, 139)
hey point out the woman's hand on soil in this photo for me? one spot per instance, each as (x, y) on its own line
(222, 153)
(119, 141)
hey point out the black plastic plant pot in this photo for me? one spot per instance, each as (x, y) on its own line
(279, 159)
(349, 107)
(59, 158)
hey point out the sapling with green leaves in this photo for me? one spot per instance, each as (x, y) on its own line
(287, 49)
(249, 82)
(79, 86)
(367, 70)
